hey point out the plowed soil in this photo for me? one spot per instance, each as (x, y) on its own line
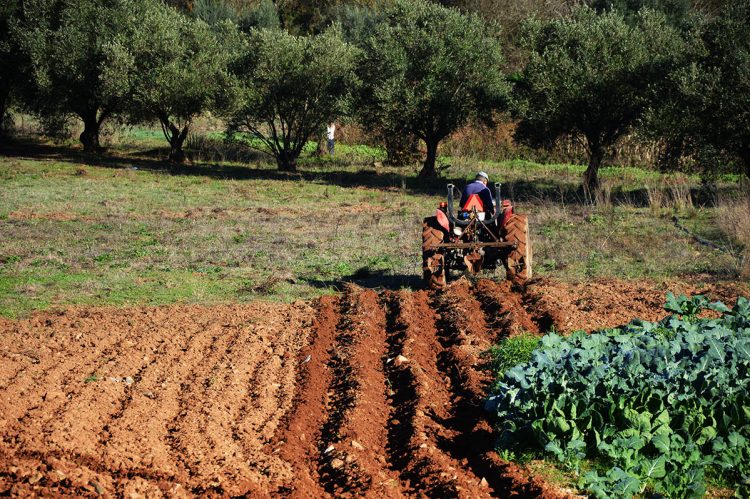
(370, 393)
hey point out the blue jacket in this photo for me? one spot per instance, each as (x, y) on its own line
(478, 187)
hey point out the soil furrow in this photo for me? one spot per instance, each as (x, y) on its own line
(340, 472)
(245, 409)
(469, 438)
(411, 345)
(213, 458)
(298, 433)
(503, 308)
(106, 476)
(197, 455)
(362, 438)
(137, 438)
(99, 402)
(65, 409)
(67, 357)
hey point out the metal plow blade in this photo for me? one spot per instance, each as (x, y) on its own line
(474, 262)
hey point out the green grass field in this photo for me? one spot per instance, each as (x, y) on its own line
(126, 228)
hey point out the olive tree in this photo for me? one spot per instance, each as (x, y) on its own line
(706, 113)
(426, 71)
(67, 45)
(592, 76)
(11, 64)
(290, 87)
(179, 66)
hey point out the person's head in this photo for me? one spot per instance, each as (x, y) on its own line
(483, 177)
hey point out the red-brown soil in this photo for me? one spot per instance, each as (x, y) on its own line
(370, 393)
(609, 303)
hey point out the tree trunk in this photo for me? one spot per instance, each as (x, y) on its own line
(322, 149)
(428, 169)
(176, 154)
(287, 162)
(177, 139)
(591, 175)
(90, 136)
(4, 104)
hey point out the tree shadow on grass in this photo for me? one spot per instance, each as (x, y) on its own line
(366, 278)
(530, 191)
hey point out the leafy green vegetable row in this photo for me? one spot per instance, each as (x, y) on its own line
(653, 403)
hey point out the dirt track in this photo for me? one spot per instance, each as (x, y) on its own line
(374, 394)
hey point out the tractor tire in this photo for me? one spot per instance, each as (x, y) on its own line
(433, 262)
(519, 260)
(434, 271)
(432, 233)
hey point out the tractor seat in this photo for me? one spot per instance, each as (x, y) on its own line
(474, 201)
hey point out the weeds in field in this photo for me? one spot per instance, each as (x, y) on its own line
(603, 196)
(656, 199)
(219, 231)
(212, 148)
(733, 217)
(512, 351)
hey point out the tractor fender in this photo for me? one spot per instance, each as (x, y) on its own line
(507, 208)
(442, 219)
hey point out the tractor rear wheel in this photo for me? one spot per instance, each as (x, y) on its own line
(433, 262)
(518, 264)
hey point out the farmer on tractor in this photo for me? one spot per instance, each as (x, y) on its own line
(478, 236)
(478, 189)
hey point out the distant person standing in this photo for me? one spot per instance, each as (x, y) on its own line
(331, 141)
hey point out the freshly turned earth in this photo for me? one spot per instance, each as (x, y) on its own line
(368, 393)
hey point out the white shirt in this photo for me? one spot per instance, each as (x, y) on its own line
(331, 131)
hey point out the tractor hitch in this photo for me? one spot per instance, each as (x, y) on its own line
(476, 246)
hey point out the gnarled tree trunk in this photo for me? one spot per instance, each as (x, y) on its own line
(175, 136)
(176, 153)
(591, 175)
(287, 161)
(428, 169)
(90, 136)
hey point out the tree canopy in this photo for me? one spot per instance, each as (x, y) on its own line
(596, 72)
(593, 76)
(290, 87)
(706, 113)
(68, 44)
(179, 66)
(428, 70)
(10, 56)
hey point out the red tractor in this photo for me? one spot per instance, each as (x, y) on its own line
(471, 240)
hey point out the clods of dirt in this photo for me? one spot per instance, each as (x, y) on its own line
(370, 393)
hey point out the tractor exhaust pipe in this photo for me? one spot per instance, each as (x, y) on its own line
(451, 217)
